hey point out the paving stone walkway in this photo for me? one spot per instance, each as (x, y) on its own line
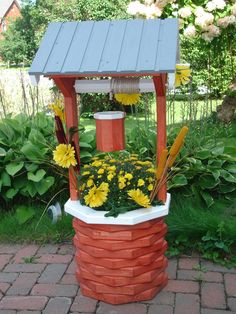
(40, 279)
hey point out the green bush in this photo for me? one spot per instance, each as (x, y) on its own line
(27, 170)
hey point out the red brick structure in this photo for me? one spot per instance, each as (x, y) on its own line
(9, 10)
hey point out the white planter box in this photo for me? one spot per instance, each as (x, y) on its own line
(133, 217)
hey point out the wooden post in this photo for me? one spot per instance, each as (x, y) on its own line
(160, 87)
(66, 86)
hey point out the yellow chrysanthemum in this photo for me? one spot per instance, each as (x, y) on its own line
(97, 163)
(127, 99)
(89, 183)
(97, 196)
(129, 176)
(152, 170)
(110, 176)
(141, 182)
(58, 109)
(64, 155)
(86, 173)
(111, 168)
(139, 197)
(150, 187)
(182, 74)
(100, 171)
(122, 185)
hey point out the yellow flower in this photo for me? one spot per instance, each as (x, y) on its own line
(129, 176)
(150, 187)
(139, 197)
(121, 179)
(58, 109)
(141, 182)
(83, 186)
(97, 163)
(182, 74)
(150, 179)
(152, 170)
(127, 99)
(110, 176)
(111, 168)
(100, 171)
(99, 176)
(138, 167)
(86, 166)
(85, 173)
(64, 155)
(89, 183)
(122, 185)
(97, 195)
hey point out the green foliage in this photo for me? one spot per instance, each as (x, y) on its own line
(26, 166)
(24, 214)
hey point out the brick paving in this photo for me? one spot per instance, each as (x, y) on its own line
(40, 280)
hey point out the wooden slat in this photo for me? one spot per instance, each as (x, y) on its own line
(45, 48)
(148, 46)
(111, 52)
(78, 47)
(130, 46)
(60, 48)
(167, 52)
(94, 50)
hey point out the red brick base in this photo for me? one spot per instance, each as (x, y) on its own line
(121, 264)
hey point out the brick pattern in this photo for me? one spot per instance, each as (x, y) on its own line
(46, 284)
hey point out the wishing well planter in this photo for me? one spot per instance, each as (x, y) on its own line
(120, 260)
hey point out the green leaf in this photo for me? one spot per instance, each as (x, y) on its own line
(218, 150)
(231, 168)
(14, 167)
(177, 181)
(32, 152)
(44, 185)
(2, 152)
(38, 176)
(227, 176)
(11, 193)
(227, 188)
(215, 173)
(230, 151)
(208, 181)
(86, 137)
(84, 144)
(6, 180)
(24, 214)
(215, 163)
(31, 167)
(84, 154)
(203, 154)
(207, 198)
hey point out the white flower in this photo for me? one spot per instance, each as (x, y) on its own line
(232, 19)
(135, 7)
(199, 11)
(204, 20)
(223, 22)
(152, 11)
(207, 37)
(233, 9)
(220, 4)
(213, 30)
(190, 31)
(175, 13)
(211, 6)
(185, 12)
(148, 2)
(174, 6)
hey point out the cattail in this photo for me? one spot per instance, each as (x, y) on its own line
(175, 148)
(161, 164)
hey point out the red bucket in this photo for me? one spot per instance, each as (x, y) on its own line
(110, 130)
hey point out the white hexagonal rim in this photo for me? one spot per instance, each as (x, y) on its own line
(91, 216)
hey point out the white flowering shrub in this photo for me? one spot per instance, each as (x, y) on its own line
(207, 20)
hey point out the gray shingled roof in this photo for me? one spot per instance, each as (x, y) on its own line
(5, 5)
(107, 47)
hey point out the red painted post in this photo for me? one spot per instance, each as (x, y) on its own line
(160, 87)
(66, 86)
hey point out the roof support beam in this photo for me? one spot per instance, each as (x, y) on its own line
(66, 86)
(160, 87)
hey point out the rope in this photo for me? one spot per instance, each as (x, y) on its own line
(125, 86)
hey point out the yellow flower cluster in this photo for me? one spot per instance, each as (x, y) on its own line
(64, 155)
(182, 74)
(58, 109)
(117, 183)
